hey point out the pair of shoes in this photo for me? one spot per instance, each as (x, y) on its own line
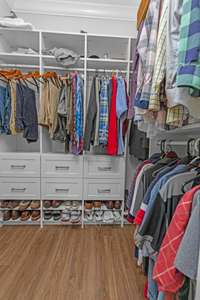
(93, 204)
(111, 217)
(26, 215)
(55, 215)
(113, 204)
(73, 217)
(12, 204)
(35, 204)
(51, 203)
(72, 204)
(24, 205)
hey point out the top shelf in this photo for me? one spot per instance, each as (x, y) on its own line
(192, 129)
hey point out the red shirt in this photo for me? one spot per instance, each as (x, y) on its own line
(112, 129)
(165, 274)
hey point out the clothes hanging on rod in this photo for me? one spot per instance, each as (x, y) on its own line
(106, 123)
(164, 216)
(166, 82)
(18, 111)
(61, 111)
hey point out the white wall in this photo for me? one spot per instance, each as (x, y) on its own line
(4, 8)
(75, 24)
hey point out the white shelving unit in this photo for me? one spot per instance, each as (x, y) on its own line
(42, 170)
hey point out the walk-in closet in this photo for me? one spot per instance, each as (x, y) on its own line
(99, 150)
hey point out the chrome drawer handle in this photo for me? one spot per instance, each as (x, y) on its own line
(104, 168)
(62, 190)
(18, 167)
(18, 190)
(62, 167)
(105, 191)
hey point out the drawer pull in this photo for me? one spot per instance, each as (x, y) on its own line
(20, 167)
(104, 169)
(62, 167)
(62, 190)
(104, 191)
(18, 190)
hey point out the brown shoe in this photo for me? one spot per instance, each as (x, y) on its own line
(56, 203)
(47, 204)
(110, 204)
(97, 204)
(88, 204)
(24, 204)
(35, 215)
(6, 215)
(4, 204)
(15, 214)
(25, 215)
(14, 204)
(35, 204)
(117, 204)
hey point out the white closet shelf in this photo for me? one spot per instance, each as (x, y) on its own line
(18, 222)
(18, 58)
(52, 222)
(113, 64)
(189, 129)
(101, 223)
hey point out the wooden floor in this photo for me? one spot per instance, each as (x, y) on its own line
(61, 263)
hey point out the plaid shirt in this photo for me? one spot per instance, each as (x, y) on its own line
(147, 54)
(189, 47)
(165, 273)
(160, 61)
(103, 113)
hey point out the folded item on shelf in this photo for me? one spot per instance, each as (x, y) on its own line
(15, 23)
(22, 50)
(64, 56)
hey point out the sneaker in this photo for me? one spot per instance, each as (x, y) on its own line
(47, 204)
(75, 204)
(6, 215)
(75, 216)
(15, 214)
(89, 216)
(117, 216)
(56, 215)
(65, 217)
(47, 215)
(35, 215)
(108, 217)
(117, 204)
(35, 204)
(99, 216)
(56, 203)
(67, 204)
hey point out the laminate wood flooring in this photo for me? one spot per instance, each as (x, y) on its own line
(64, 263)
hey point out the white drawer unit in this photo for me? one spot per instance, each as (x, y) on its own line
(62, 189)
(104, 167)
(103, 189)
(19, 165)
(62, 166)
(19, 188)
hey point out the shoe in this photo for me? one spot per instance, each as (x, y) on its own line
(117, 204)
(108, 217)
(25, 215)
(56, 203)
(35, 204)
(6, 215)
(89, 216)
(103, 207)
(47, 215)
(97, 204)
(75, 216)
(35, 215)
(12, 204)
(117, 216)
(47, 204)
(56, 215)
(75, 204)
(88, 204)
(67, 204)
(65, 217)
(15, 214)
(4, 204)
(99, 216)
(24, 204)
(110, 204)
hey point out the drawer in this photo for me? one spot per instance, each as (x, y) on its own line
(19, 164)
(104, 167)
(104, 189)
(62, 166)
(19, 188)
(65, 189)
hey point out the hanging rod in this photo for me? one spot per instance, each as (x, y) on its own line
(174, 143)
